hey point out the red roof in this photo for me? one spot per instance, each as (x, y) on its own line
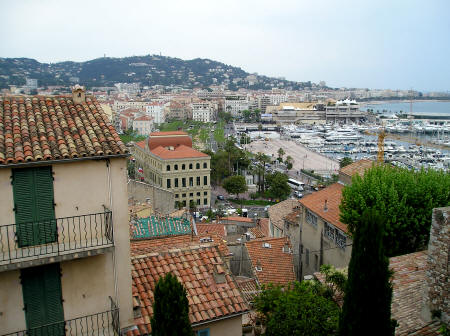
(236, 219)
(204, 229)
(141, 144)
(180, 152)
(277, 266)
(211, 291)
(143, 118)
(169, 141)
(42, 128)
(168, 133)
(315, 202)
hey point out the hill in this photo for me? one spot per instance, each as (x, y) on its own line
(147, 70)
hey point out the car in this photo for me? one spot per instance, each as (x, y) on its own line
(298, 194)
(220, 197)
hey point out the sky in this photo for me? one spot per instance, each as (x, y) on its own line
(377, 44)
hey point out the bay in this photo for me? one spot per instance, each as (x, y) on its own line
(432, 107)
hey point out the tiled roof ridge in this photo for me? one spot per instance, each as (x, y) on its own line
(173, 250)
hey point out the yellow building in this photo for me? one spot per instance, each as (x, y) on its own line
(169, 161)
(64, 238)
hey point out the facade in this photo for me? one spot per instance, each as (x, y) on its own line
(169, 161)
(143, 125)
(156, 111)
(344, 111)
(203, 111)
(176, 111)
(235, 104)
(63, 224)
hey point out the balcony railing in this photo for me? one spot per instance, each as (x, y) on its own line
(105, 323)
(57, 237)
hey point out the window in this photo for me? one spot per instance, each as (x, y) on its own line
(329, 231)
(341, 240)
(311, 218)
(198, 193)
(184, 195)
(197, 166)
(183, 167)
(176, 183)
(191, 181)
(198, 201)
(198, 180)
(177, 195)
(205, 201)
(205, 180)
(205, 165)
(183, 182)
(202, 332)
(175, 167)
(316, 262)
(205, 193)
(190, 165)
(191, 194)
(168, 184)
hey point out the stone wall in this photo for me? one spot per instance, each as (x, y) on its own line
(162, 201)
(437, 288)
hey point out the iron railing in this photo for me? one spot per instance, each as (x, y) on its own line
(28, 241)
(105, 323)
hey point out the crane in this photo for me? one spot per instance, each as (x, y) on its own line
(380, 154)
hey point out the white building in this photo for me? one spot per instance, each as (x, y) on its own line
(143, 125)
(203, 111)
(156, 111)
(235, 104)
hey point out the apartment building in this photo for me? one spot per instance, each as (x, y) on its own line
(64, 237)
(156, 111)
(235, 104)
(143, 125)
(203, 111)
(169, 161)
(176, 111)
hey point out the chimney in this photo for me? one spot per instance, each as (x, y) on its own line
(325, 206)
(78, 94)
(436, 300)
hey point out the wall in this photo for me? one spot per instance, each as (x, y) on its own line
(12, 317)
(161, 200)
(240, 263)
(227, 327)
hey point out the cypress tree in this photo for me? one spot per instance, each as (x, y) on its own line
(170, 308)
(368, 294)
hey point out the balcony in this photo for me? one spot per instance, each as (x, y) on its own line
(100, 324)
(36, 243)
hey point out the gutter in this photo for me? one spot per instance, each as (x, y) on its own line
(47, 162)
(220, 318)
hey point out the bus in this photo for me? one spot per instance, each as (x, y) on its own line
(296, 185)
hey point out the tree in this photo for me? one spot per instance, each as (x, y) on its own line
(303, 309)
(280, 154)
(289, 162)
(405, 199)
(235, 185)
(345, 162)
(261, 170)
(170, 308)
(368, 294)
(278, 185)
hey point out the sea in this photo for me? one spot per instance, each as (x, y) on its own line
(427, 107)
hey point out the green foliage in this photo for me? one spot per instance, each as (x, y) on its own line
(219, 133)
(235, 185)
(251, 116)
(278, 185)
(131, 168)
(368, 293)
(336, 281)
(170, 308)
(280, 152)
(250, 202)
(404, 198)
(345, 162)
(289, 161)
(225, 116)
(303, 309)
(130, 135)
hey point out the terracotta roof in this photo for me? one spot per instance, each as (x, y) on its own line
(162, 134)
(315, 202)
(277, 265)
(169, 141)
(358, 167)
(249, 287)
(219, 229)
(42, 128)
(408, 290)
(278, 211)
(180, 152)
(211, 291)
(141, 144)
(144, 118)
(236, 219)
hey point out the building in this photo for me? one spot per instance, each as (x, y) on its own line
(235, 104)
(156, 111)
(346, 111)
(176, 111)
(203, 111)
(64, 236)
(169, 161)
(143, 125)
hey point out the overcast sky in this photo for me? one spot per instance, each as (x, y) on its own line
(363, 43)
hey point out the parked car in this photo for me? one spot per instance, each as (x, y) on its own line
(220, 197)
(298, 194)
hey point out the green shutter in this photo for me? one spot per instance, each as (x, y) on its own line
(33, 200)
(42, 298)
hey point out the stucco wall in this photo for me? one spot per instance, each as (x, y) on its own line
(227, 327)
(162, 201)
(12, 317)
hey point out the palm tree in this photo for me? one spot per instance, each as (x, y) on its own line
(289, 162)
(280, 154)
